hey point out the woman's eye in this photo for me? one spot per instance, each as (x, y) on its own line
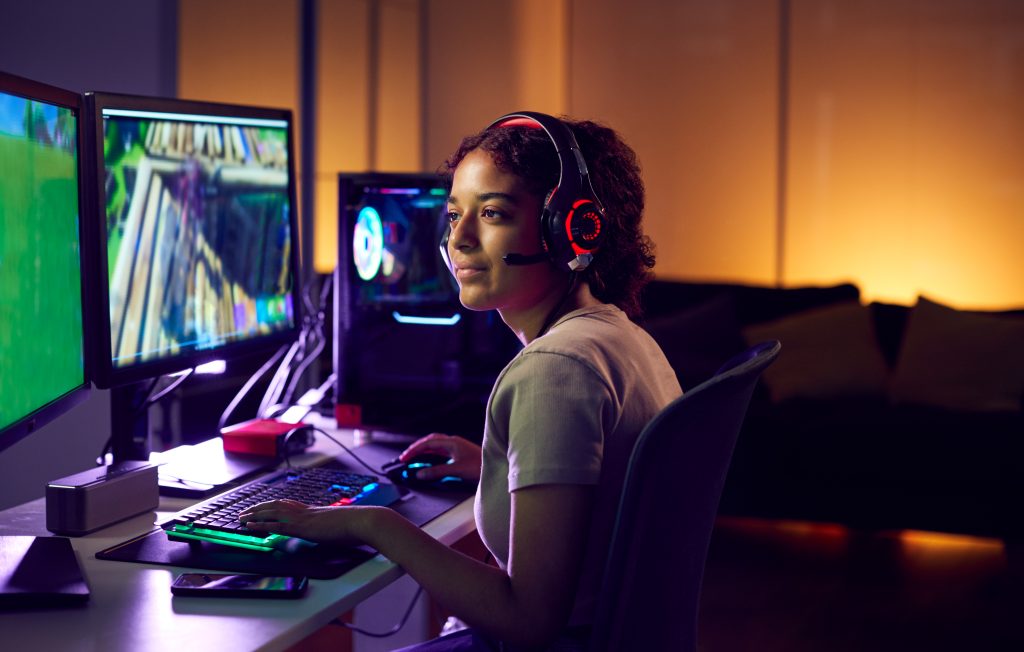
(453, 216)
(492, 214)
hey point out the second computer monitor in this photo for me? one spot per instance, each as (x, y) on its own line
(42, 328)
(197, 232)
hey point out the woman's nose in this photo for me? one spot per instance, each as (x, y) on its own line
(463, 233)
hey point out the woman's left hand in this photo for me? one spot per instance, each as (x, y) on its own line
(338, 525)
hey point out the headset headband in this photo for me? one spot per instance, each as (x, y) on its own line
(569, 155)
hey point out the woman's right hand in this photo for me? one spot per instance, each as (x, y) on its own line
(465, 457)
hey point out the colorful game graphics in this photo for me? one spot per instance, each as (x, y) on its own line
(197, 231)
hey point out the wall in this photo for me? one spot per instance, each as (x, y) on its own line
(692, 85)
(894, 146)
(715, 64)
(118, 46)
(390, 98)
(906, 172)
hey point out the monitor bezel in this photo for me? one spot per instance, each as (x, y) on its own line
(46, 413)
(106, 375)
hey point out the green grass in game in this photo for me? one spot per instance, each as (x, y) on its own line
(40, 279)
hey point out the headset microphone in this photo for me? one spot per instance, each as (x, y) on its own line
(520, 259)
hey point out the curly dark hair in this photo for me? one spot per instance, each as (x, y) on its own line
(622, 265)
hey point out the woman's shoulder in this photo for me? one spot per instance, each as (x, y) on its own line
(593, 327)
(600, 337)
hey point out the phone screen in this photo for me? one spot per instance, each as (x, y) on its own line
(237, 585)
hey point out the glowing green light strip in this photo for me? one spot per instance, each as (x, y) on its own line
(232, 544)
(228, 539)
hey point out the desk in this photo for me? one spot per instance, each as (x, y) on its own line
(131, 607)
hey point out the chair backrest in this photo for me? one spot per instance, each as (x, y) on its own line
(651, 589)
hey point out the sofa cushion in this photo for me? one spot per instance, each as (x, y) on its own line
(827, 352)
(960, 360)
(753, 303)
(697, 341)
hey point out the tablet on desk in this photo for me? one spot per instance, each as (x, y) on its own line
(39, 572)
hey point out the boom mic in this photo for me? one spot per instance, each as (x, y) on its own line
(520, 259)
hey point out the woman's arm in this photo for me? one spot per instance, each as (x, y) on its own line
(528, 605)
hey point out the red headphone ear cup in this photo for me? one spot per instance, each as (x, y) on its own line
(585, 227)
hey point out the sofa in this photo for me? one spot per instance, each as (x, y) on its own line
(875, 416)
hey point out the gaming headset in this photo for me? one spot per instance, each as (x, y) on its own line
(573, 219)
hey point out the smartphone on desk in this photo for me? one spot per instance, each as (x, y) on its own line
(220, 585)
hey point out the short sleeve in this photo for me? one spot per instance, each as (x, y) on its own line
(558, 409)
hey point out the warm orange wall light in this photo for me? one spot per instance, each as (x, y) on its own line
(905, 173)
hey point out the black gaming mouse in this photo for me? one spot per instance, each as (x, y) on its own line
(404, 474)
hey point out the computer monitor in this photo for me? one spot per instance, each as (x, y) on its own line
(408, 357)
(197, 240)
(42, 328)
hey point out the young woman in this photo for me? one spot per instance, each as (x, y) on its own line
(563, 415)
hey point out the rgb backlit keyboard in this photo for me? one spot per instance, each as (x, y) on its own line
(216, 520)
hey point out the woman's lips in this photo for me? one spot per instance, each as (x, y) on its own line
(467, 273)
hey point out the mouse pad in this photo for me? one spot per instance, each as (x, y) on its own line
(317, 562)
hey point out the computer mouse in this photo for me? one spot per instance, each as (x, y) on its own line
(404, 473)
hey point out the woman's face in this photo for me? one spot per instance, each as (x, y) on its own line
(492, 214)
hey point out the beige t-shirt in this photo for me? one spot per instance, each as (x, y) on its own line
(567, 410)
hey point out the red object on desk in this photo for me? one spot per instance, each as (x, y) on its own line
(257, 437)
(348, 415)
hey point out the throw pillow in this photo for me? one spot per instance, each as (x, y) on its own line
(960, 360)
(827, 352)
(697, 341)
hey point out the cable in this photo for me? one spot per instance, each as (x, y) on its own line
(248, 386)
(301, 353)
(301, 369)
(274, 389)
(343, 446)
(327, 383)
(313, 328)
(150, 399)
(394, 630)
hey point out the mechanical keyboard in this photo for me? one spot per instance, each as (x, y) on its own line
(216, 520)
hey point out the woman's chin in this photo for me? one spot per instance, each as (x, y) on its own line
(473, 301)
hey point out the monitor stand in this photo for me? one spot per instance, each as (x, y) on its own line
(191, 471)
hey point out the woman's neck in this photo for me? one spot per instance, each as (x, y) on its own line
(530, 325)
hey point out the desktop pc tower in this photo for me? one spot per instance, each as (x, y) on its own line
(408, 358)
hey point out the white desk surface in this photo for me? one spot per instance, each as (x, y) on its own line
(131, 606)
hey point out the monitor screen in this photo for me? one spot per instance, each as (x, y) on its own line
(42, 341)
(407, 356)
(197, 234)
